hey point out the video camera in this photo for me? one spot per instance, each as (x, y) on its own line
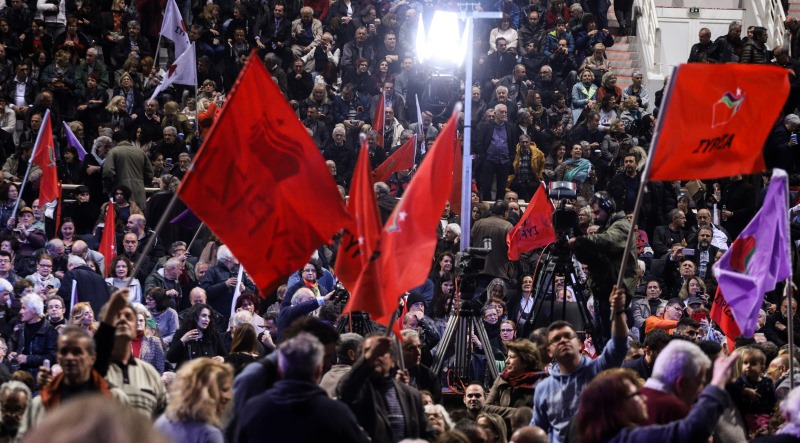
(470, 261)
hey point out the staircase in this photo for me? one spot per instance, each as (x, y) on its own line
(623, 56)
(794, 8)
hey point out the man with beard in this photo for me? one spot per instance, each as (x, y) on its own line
(668, 235)
(531, 31)
(625, 186)
(705, 255)
(419, 375)
(547, 85)
(388, 409)
(720, 237)
(602, 252)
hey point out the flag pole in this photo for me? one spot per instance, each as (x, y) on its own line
(152, 240)
(644, 178)
(392, 320)
(196, 233)
(788, 291)
(45, 120)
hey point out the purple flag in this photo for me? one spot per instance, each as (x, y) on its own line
(187, 219)
(758, 258)
(73, 141)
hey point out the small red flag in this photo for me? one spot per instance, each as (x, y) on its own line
(535, 229)
(716, 119)
(409, 237)
(44, 155)
(721, 314)
(455, 188)
(379, 119)
(400, 160)
(108, 243)
(260, 183)
(360, 240)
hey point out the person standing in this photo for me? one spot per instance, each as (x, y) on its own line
(129, 166)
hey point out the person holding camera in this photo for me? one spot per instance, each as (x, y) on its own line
(602, 252)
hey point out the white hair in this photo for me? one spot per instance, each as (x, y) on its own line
(35, 302)
(242, 317)
(680, 358)
(642, 265)
(224, 253)
(790, 406)
(5, 286)
(430, 409)
(299, 295)
(75, 261)
(454, 228)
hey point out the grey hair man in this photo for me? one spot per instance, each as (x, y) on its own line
(300, 365)
(347, 352)
(679, 375)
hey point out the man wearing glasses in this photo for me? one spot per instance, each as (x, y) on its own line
(667, 320)
(555, 399)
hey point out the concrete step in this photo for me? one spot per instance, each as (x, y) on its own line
(619, 63)
(612, 54)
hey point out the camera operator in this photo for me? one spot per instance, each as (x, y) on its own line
(602, 252)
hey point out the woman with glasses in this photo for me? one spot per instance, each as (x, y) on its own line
(44, 282)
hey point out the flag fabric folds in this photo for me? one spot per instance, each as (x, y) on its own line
(758, 258)
(44, 155)
(174, 28)
(722, 315)
(260, 183)
(363, 207)
(108, 243)
(715, 120)
(74, 142)
(400, 160)
(182, 72)
(535, 228)
(410, 232)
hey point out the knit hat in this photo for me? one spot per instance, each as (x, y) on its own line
(414, 298)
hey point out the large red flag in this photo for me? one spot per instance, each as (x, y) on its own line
(409, 237)
(260, 183)
(716, 119)
(721, 314)
(361, 236)
(400, 160)
(108, 243)
(44, 155)
(535, 228)
(379, 119)
(455, 187)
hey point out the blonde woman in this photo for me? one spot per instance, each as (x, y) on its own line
(82, 316)
(198, 398)
(147, 345)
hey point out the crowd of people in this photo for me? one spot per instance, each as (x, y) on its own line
(177, 347)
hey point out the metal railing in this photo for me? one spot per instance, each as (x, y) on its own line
(648, 37)
(769, 14)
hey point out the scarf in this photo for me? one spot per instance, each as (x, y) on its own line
(524, 380)
(51, 395)
(580, 172)
(536, 112)
(590, 92)
(314, 286)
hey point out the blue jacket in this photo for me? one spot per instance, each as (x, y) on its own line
(556, 398)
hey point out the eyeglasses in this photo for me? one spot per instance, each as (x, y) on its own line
(565, 336)
(677, 308)
(506, 330)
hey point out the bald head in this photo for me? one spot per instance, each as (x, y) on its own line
(529, 434)
(198, 295)
(136, 224)
(80, 248)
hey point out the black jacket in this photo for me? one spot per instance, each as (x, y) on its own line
(298, 411)
(483, 138)
(42, 346)
(90, 287)
(220, 296)
(361, 393)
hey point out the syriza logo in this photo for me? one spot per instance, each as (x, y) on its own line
(726, 107)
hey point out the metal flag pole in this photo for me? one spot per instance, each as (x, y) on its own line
(469, 14)
(788, 292)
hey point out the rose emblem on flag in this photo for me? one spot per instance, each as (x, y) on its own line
(742, 251)
(726, 107)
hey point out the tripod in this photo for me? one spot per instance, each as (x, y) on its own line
(544, 309)
(464, 321)
(357, 321)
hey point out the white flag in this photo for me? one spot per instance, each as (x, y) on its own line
(182, 72)
(238, 290)
(173, 27)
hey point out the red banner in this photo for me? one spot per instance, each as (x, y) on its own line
(44, 155)
(108, 243)
(400, 160)
(535, 228)
(260, 183)
(716, 119)
(721, 314)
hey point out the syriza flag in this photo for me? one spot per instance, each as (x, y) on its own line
(182, 72)
(174, 28)
(716, 119)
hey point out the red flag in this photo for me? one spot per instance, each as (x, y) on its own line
(535, 228)
(360, 240)
(716, 120)
(455, 188)
(44, 155)
(108, 244)
(260, 183)
(409, 236)
(400, 160)
(379, 119)
(721, 314)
